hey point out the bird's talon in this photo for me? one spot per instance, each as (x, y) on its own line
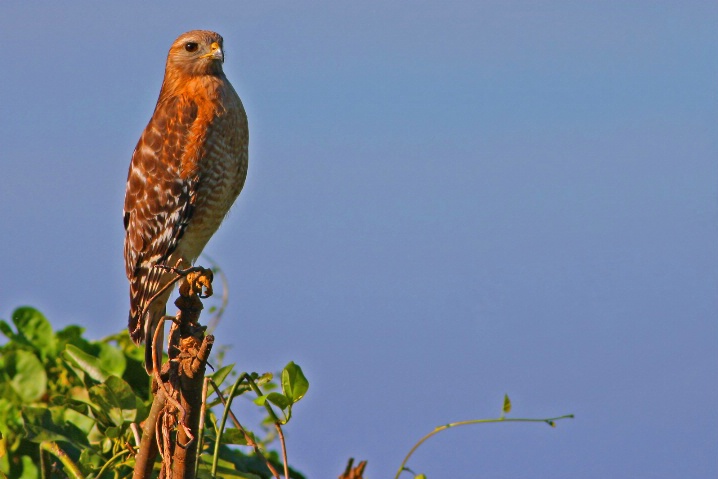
(199, 283)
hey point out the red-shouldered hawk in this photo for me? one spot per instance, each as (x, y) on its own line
(186, 171)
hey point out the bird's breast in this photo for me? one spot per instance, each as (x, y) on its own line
(221, 172)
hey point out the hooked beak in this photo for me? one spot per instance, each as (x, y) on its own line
(215, 52)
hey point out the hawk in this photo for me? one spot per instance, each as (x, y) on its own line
(186, 171)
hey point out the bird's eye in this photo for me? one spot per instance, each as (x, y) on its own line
(191, 46)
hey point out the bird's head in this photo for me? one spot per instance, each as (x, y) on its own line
(199, 52)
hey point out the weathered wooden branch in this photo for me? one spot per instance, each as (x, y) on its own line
(145, 458)
(191, 363)
(172, 427)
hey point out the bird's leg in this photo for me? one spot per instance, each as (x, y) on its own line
(173, 269)
(179, 271)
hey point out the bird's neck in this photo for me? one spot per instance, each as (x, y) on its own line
(209, 88)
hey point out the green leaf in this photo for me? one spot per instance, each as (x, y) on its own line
(136, 353)
(279, 400)
(111, 359)
(233, 435)
(29, 468)
(115, 400)
(6, 329)
(90, 460)
(260, 381)
(27, 375)
(225, 469)
(219, 376)
(78, 400)
(18, 339)
(10, 421)
(49, 424)
(82, 421)
(294, 383)
(90, 365)
(33, 326)
(507, 404)
(70, 334)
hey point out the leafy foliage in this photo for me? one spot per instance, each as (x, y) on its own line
(294, 387)
(80, 400)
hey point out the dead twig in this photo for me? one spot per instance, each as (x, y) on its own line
(354, 472)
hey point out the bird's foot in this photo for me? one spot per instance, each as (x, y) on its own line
(197, 282)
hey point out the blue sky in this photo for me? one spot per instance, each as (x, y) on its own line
(446, 202)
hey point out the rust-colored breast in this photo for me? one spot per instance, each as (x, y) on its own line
(217, 157)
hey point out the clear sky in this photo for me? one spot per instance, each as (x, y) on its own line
(446, 202)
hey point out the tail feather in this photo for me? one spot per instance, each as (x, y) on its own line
(143, 286)
(137, 332)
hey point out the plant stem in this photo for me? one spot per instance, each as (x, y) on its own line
(277, 423)
(284, 449)
(438, 429)
(71, 468)
(112, 459)
(223, 421)
(200, 430)
(258, 392)
(250, 441)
